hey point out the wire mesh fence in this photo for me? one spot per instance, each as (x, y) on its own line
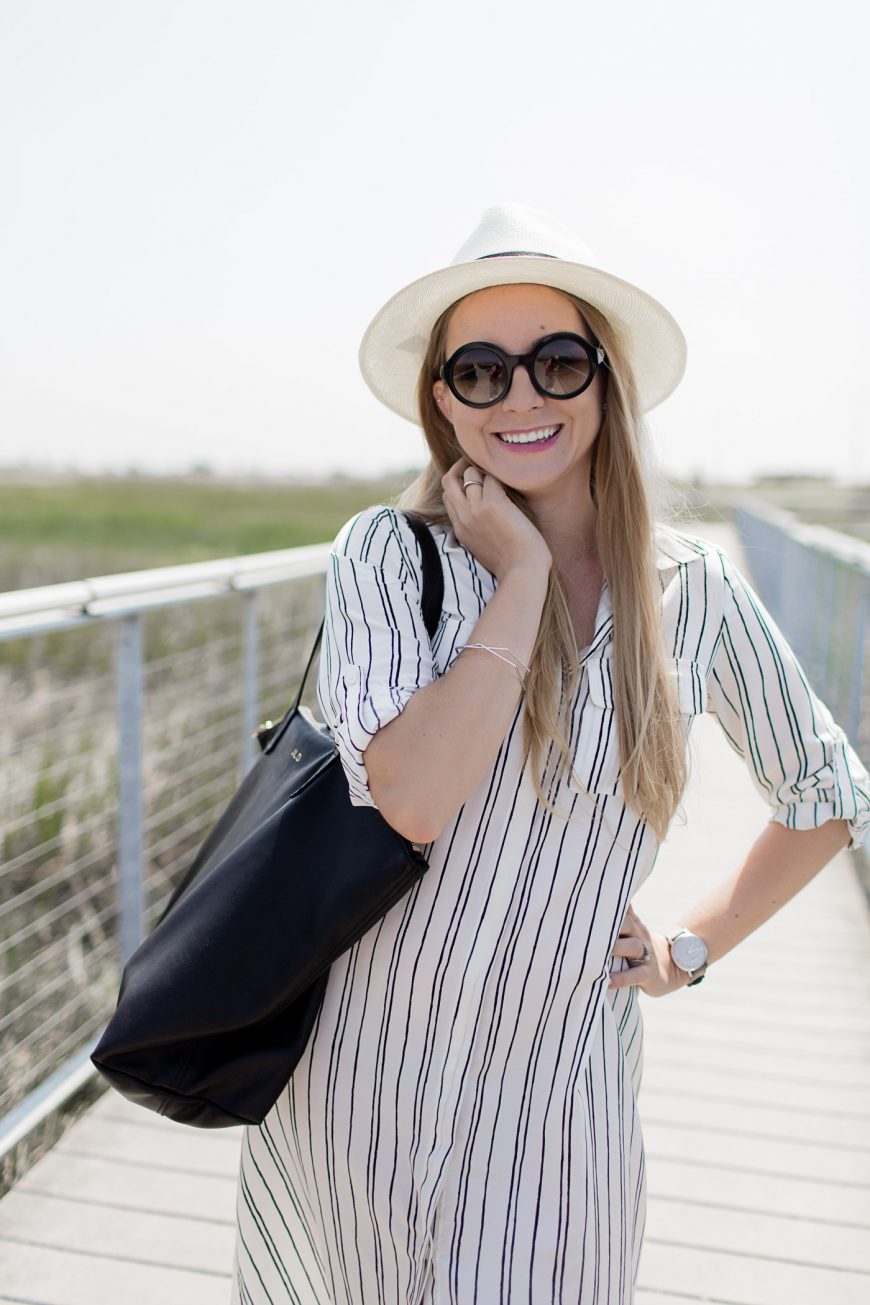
(123, 736)
(816, 584)
(205, 668)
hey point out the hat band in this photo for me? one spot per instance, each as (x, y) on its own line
(516, 253)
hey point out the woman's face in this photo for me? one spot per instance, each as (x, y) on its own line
(515, 317)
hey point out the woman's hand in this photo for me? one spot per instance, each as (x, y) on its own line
(489, 524)
(656, 976)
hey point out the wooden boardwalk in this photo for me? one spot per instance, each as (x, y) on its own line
(755, 1103)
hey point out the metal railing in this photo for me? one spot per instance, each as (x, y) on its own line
(128, 704)
(815, 583)
(127, 708)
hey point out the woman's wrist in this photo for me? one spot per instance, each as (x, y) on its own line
(530, 571)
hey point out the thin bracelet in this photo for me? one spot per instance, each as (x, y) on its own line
(510, 660)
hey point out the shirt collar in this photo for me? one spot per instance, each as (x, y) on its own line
(673, 548)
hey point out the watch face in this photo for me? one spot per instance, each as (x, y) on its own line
(689, 951)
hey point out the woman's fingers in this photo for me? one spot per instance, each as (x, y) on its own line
(488, 523)
(464, 477)
(462, 486)
(630, 946)
(472, 480)
(655, 977)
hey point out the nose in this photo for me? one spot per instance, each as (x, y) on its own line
(522, 395)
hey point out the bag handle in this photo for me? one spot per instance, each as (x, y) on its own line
(433, 574)
(432, 602)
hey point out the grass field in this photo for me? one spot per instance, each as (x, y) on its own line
(59, 817)
(57, 530)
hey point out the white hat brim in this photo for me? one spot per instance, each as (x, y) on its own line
(395, 342)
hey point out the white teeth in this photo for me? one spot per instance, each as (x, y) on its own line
(533, 437)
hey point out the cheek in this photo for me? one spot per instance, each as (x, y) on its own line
(459, 417)
(472, 443)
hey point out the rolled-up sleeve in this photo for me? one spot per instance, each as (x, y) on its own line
(798, 756)
(376, 651)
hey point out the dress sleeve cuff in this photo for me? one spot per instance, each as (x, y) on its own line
(365, 709)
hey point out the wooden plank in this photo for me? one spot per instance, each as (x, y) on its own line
(727, 1003)
(172, 1147)
(846, 1011)
(729, 1148)
(759, 1233)
(702, 1047)
(669, 1074)
(768, 1041)
(49, 1277)
(130, 1187)
(745, 1280)
(173, 1241)
(747, 1189)
(690, 1111)
(658, 1298)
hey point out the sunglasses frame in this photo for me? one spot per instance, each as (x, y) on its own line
(594, 352)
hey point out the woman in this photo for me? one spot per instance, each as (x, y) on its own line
(463, 1124)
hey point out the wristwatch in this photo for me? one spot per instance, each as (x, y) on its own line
(689, 953)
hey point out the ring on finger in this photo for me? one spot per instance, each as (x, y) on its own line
(466, 481)
(641, 960)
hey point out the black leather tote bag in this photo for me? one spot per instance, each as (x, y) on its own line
(217, 1004)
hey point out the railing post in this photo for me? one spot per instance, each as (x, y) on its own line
(250, 660)
(131, 878)
(793, 596)
(862, 619)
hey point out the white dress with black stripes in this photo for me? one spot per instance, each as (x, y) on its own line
(463, 1125)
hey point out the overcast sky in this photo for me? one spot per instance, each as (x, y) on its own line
(204, 203)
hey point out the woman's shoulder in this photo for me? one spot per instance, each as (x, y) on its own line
(675, 547)
(381, 536)
(366, 532)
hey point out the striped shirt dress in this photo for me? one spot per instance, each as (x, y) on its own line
(463, 1125)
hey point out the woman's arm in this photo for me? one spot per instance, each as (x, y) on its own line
(425, 762)
(799, 760)
(780, 862)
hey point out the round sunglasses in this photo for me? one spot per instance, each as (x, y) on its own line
(560, 366)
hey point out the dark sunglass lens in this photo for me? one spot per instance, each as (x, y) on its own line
(562, 366)
(479, 376)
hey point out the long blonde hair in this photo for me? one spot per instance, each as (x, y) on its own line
(649, 732)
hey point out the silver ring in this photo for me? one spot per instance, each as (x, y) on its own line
(641, 960)
(466, 483)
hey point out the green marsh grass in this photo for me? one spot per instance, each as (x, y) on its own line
(58, 736)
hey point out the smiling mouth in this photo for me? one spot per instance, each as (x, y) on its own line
(539, 436)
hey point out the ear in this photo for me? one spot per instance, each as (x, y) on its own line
(444, 399)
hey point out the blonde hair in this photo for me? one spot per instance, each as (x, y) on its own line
(649, 731)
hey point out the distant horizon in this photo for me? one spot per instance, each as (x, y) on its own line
(201, 472)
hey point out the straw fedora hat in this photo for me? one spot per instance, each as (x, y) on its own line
(514, 245)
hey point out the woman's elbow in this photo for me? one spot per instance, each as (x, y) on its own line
(417, 822)
(403, 790)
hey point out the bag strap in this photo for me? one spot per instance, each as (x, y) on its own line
(433, 574)
(432, 595)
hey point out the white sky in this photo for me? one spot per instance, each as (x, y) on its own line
(205, 202)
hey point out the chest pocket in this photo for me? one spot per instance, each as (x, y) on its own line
(596, 752)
